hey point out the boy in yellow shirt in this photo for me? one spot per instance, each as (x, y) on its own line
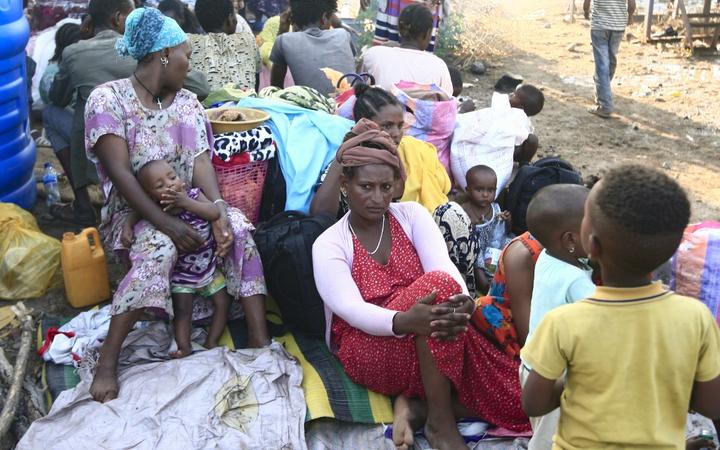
(636, 354)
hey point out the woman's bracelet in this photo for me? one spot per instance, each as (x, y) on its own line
(219, 201)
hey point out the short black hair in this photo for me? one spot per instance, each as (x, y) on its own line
(480, 168)
(415, 21)
(102, 10)
(531, 98)
(190, 23)
(646, 211)
(370, 99)
(65, 36)
(457, 80)
(306, 12)
(554, 210)
(212, 14)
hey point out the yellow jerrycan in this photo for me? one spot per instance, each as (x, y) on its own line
(84, 268)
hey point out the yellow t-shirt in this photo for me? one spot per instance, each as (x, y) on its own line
(631, 356)
(427, 180)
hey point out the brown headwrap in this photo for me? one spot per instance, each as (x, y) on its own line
(352, 153)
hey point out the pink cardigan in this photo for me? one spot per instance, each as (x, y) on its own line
(332, 262)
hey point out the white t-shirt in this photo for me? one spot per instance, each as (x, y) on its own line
(488, 136)
(390, 65)
(556, 283)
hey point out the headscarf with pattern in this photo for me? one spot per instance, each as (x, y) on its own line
(147, 30)
(353, 152)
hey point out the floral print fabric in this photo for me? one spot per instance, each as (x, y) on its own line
(493, 316)
(456, 227)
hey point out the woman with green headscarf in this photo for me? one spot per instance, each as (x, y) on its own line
(143, 118)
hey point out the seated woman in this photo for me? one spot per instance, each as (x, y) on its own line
(311, 47)
(397, 310)
(409, 61)
(224, 56)
(427, 181)
(149, 117)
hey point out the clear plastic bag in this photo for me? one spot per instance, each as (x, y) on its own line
(29, 259)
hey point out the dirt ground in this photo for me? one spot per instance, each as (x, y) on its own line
(667, 116)
(667, 111)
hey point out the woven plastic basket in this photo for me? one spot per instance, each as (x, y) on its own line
(242, 186)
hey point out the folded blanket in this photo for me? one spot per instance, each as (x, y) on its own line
(241, 147)
(303, 96)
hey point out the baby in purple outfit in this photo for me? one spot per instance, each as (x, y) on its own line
(196, 272)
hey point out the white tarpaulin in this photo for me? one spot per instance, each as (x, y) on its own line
(215, 399)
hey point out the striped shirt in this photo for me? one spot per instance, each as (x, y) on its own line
(609, 15)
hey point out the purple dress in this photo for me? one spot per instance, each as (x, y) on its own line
(195, 270)
(177, 134)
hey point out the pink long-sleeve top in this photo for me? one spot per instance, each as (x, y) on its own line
(333, 258)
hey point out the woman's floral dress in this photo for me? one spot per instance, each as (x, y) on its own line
(177, 134)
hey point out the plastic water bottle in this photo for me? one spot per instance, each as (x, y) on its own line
(50, 180)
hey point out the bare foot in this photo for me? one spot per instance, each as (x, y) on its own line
(105, 385)
(181, 352)
(445, 437)
(210, 344)
(407, 417)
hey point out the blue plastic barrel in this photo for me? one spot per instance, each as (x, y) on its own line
(17, 149)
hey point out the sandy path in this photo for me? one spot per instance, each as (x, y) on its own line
(667, 111)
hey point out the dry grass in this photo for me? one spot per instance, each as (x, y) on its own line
(471, 32)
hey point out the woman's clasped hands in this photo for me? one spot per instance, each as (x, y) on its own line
(444, 321)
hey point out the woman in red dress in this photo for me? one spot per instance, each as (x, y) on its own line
(398, 309)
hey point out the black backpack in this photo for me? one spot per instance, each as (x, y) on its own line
(285, 245)
(273, 195)
(529, 179)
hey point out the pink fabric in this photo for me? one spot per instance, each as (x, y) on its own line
(430, 121)
(391, 65)
(333, 259)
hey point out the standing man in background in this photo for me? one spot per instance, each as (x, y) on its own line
(607, 27)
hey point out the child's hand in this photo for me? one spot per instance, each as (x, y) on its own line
(698, 443)
(506, 217)
(172, 199)
(127, 237)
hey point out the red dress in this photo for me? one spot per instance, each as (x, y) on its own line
(485, 378)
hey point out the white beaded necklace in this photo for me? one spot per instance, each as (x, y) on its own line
(382, 233)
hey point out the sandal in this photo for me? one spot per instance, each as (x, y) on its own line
(67, 213)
